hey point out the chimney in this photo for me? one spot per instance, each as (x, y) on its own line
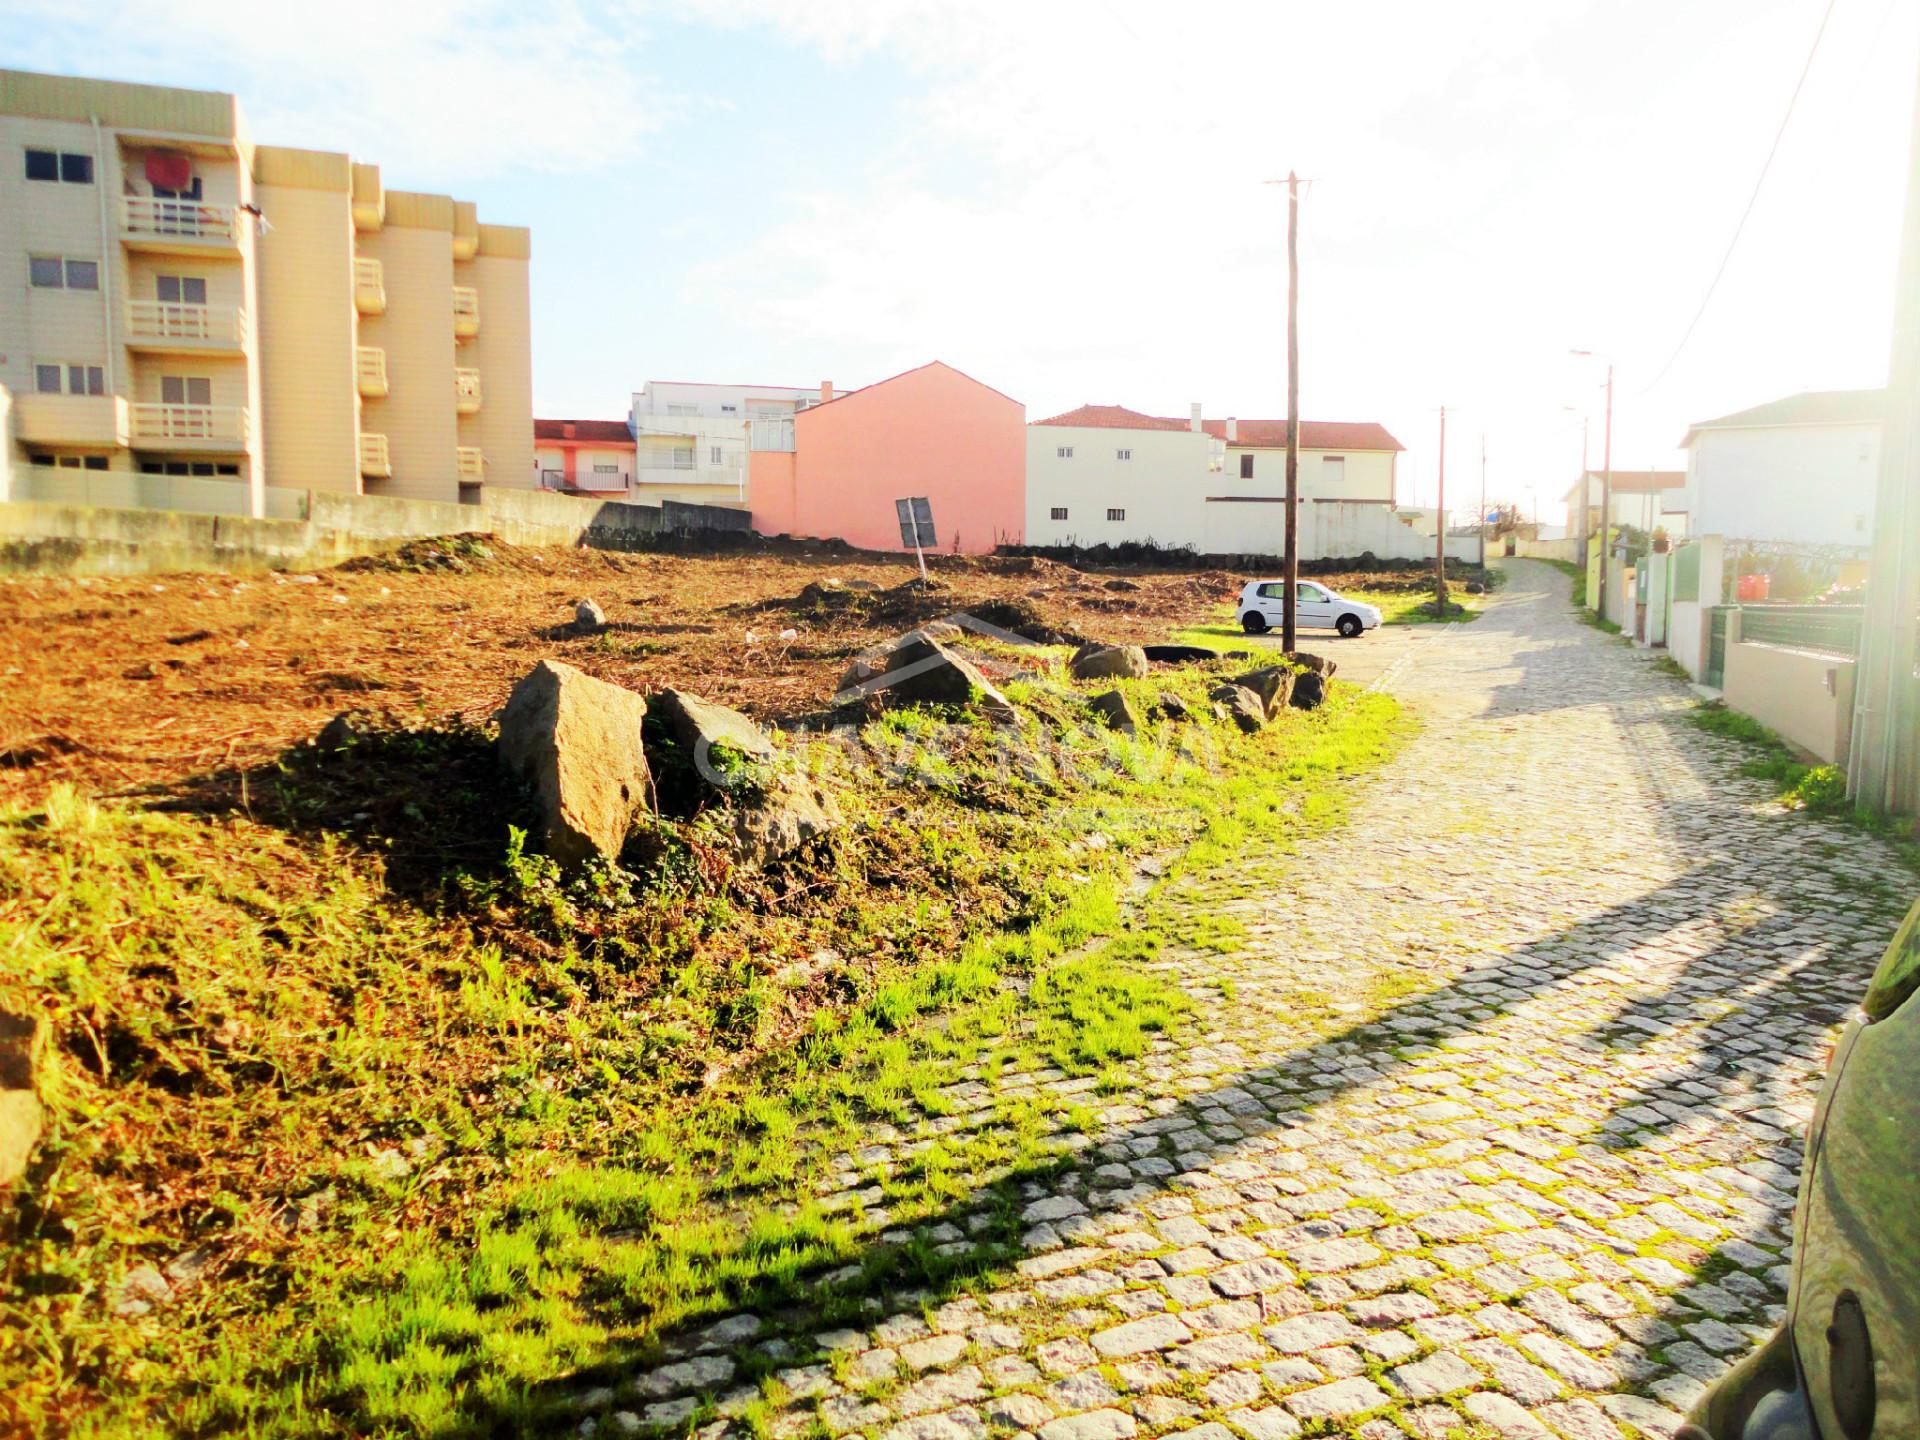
(569, 430)
(1193, 422)
(826, 391)
(1233, 430)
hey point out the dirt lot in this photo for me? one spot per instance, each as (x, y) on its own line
(119, 684)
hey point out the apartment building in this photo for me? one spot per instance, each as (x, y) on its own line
(693, 440)
(186, 308)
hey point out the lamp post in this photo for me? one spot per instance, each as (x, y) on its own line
(1606, 481)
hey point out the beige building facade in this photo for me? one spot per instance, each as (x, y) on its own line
(185, 307)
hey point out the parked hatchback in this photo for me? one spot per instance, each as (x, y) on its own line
(1845, 1365)
(1315, 608)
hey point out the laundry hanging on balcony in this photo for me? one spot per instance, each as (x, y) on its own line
(170, 170)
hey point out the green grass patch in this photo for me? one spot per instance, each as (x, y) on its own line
(450, 1134)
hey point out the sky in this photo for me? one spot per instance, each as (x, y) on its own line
(1072, 200)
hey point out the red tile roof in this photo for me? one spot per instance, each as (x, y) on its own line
(1112, 417)
(584, 432)
(1314, 434)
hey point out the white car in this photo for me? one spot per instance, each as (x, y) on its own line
(1314, 608)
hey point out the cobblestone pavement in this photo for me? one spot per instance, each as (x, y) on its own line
(1492, 1128)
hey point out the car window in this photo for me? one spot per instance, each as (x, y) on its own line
(1273, 592)
(1310, 595)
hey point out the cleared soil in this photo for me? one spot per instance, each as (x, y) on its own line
(124, 685)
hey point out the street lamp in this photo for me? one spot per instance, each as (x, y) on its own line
(1606, 481)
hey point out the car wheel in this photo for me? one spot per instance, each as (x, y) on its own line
(1349, 626)
(1254, 623)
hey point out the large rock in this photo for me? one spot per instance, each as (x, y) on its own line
(1308, 691)
(1272, 683)
(588, 618)
(1112, 708)
(20, 1117)
(1240, 705)
(577, 742)
(1319, 664)
(1178, 654)
(719, 754)
(925, 672)
(1102, 662)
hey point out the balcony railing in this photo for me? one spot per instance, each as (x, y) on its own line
(376, 463)
(147, 217)
(207, 424)
(369, 287)
(682, 462)
(596, 482)
(370, 371)
(471, 464)
(70, 419)
(466, 312)
(466, 391)
(211, 327)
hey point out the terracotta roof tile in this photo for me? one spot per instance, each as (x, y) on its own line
(585, 432)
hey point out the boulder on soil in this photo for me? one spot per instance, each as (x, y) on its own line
(1240, 705)
(1112, 708)
(1100, 662)
(1319, 664)
(774, 811)
(588, 618)
(578, 743)
(1308, 691)
(20, 1117)
(925, 672)
(1172, 707)
(1178, 654)
(1272, 683)
(345, 730)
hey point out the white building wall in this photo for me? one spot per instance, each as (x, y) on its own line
(662, 398)
(1809, 483)
(1162, 486)
(1360, 475)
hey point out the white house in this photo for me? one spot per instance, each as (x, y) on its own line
(1648, 500)
(694, 439)
(1107, 473)
(1801, 469)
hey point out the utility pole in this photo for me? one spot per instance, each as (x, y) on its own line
(1288, 634)
(1606, 496)
(1883, 764)
(1483, 503)
(1440, 529)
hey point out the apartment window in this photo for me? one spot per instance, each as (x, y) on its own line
(186, 390)
(714, 455)
(606, 469)
(1065, 452)
(683, 409)
(74, 168)
(1246, 467)
(187, 467)
(1059, 512)
(1123, 454)
(70, 462)
(1333, 469)
(69, 380)
(729, 409)
(51, 272)
(1116, 514)
(180, 289)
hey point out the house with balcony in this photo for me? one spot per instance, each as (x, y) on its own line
(584, 457)
(200, 318)
(694, 441)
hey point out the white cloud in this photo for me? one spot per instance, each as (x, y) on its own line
(437, 91)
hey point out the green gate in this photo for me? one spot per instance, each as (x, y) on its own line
(1715, 674)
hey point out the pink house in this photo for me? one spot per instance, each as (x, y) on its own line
(931, 431)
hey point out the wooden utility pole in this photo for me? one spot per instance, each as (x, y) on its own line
(1288, 631)
(1606, 496)
(1440, 529)
(1483, 501)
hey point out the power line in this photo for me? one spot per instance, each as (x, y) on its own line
(1752, 199)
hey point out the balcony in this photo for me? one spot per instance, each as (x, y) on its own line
(369, 287)
(466, 312)
(471, 464)
(191, 427)
(376, 462)
(178, 227)
(466, 392)
(92, 420)
(161, 325)
(684, 469)
(370, 371)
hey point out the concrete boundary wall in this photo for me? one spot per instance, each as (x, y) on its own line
(1567, 549)
(1804, 697)
(42, 538)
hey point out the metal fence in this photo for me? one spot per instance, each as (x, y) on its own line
(1827, 629)
(131, 490)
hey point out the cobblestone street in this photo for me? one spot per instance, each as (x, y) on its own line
(1491, 1128)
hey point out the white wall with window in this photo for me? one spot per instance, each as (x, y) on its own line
(1089, 485)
